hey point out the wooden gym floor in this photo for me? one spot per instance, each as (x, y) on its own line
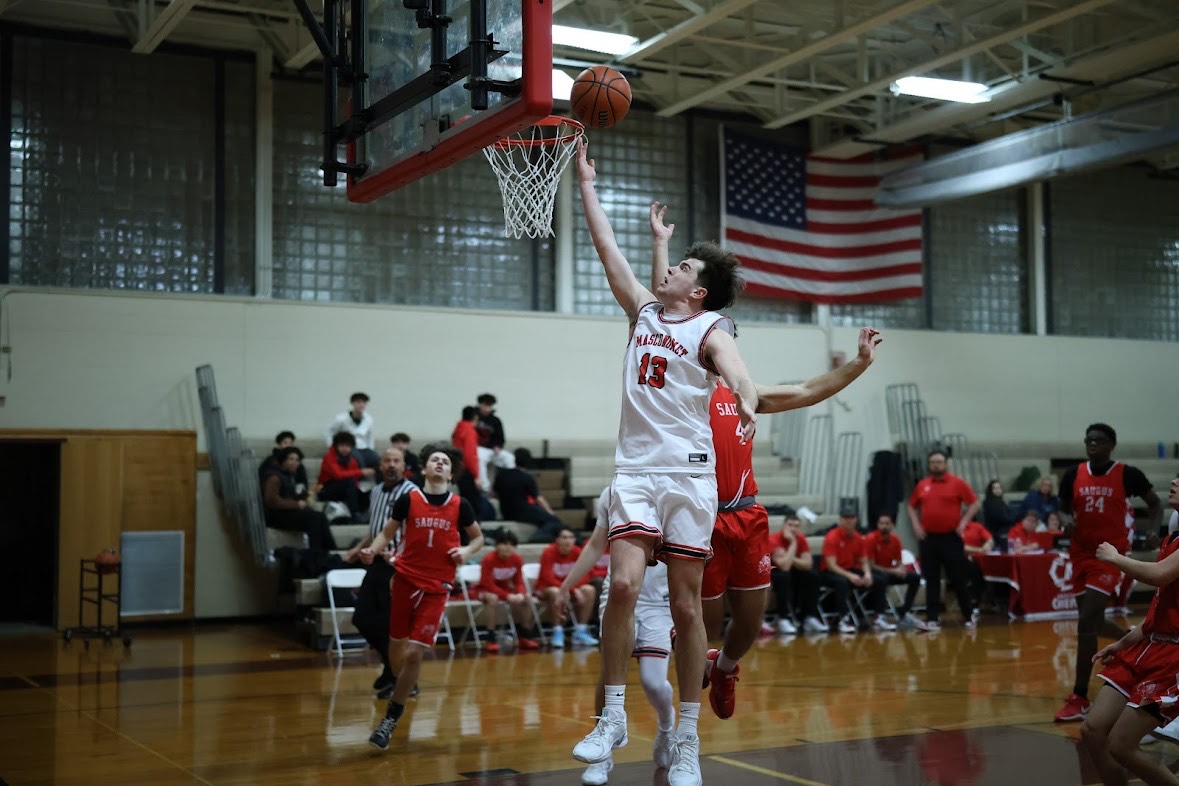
(245, 704)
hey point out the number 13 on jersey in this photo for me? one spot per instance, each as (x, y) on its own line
(651, 370)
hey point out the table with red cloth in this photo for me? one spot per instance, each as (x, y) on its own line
(1041, 584)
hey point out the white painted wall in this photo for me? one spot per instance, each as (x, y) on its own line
(111, 360)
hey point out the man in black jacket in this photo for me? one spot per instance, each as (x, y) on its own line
(520, 499)
(491, 438)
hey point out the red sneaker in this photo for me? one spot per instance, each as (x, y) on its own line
(722, 695)
(1075, 709)
(527, 644)
(491, 647)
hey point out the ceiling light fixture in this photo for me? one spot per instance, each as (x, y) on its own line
(593, 40)
(942, 89)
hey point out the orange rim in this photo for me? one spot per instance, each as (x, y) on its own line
(575, 129)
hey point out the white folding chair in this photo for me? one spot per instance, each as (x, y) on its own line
(531, 574)
(468, 576)
(343, 578)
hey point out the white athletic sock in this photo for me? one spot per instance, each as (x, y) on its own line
(689, 714)
(725, 663)
(616, 697)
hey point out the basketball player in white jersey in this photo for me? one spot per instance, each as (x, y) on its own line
(663, 498)
(652, 640)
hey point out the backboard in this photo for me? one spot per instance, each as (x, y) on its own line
(422, 99)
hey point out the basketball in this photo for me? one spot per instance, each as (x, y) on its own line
(107, 561)
(600, 97)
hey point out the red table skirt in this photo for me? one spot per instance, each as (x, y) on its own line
(1041, 584)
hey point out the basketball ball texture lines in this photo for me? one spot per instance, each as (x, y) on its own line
(600, 97)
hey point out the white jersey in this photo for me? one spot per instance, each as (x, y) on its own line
(654, 590)
(666, 383)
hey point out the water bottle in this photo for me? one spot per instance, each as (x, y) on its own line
(505, 639)
(1162, 451)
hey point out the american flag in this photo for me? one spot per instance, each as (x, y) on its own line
(808, 228)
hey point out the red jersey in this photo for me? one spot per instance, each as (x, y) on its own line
(882, 551)
(1099, 509)
(1163, 616)
(976, 535)
(939, 501)
(502, 577)
(1019, 535)
(734, 461)
(554, 567)
(429, 532)
(846, 547)
(781, 540)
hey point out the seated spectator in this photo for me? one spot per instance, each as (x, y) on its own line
(285, 439)
(995, 511)
(502, 581)
(413, 468)
(491, 438)
(883, 550)
(977, 539)
(555, 563)
(1041, 499)
(519, 498)
(845, 568)
(340, 474)
(284, 508)
(357, 422)
(1052, 524)
(1021, 539)
(793, 574)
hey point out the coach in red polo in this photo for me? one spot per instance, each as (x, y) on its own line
(940, 507)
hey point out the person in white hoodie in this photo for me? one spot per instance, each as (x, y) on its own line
(359, 424)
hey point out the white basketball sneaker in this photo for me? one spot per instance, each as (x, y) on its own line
(610, 733)
(598, 774)
(664, 748)
(685, 762)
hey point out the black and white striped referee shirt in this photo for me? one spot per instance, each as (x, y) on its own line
(381, 501)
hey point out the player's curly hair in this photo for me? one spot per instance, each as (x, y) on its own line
(456, 457)
(720, 274)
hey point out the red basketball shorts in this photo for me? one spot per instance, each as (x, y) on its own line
(740, 552)
(414, 614)
(1091, 573)
(1145, 675)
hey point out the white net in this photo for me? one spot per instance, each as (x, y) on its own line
(528, 166)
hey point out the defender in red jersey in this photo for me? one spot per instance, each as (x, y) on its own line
(740, 564)
(1095, 494)
(427, 559)
(1140, 672)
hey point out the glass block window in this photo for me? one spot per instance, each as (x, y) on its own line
(979, 271)
(1114, 239)
(240, 108)
(640, 161)
(437, 242)
(908, 313)
(111, 160)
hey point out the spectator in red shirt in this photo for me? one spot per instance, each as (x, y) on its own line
(977, 539)
(793, 573)
(883, 549)
(845, 569)
(466, 440)
(555, 563)
(936, 513)
(340, 474)
(1022, 537)
(501, 580)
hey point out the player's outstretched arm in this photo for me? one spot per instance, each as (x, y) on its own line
(660, 239)
(1156, 574)
(591, 552)
(780, 398)
(726, 359)
(627, 289)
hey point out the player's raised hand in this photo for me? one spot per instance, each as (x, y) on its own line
(869, 340)
(660, 231)
(366, 556)
(748, 415)
(1106, 552)
(586, 168)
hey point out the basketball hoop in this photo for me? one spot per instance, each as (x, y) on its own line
(528, 165)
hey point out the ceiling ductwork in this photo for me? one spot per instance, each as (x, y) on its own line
(1094, 141)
